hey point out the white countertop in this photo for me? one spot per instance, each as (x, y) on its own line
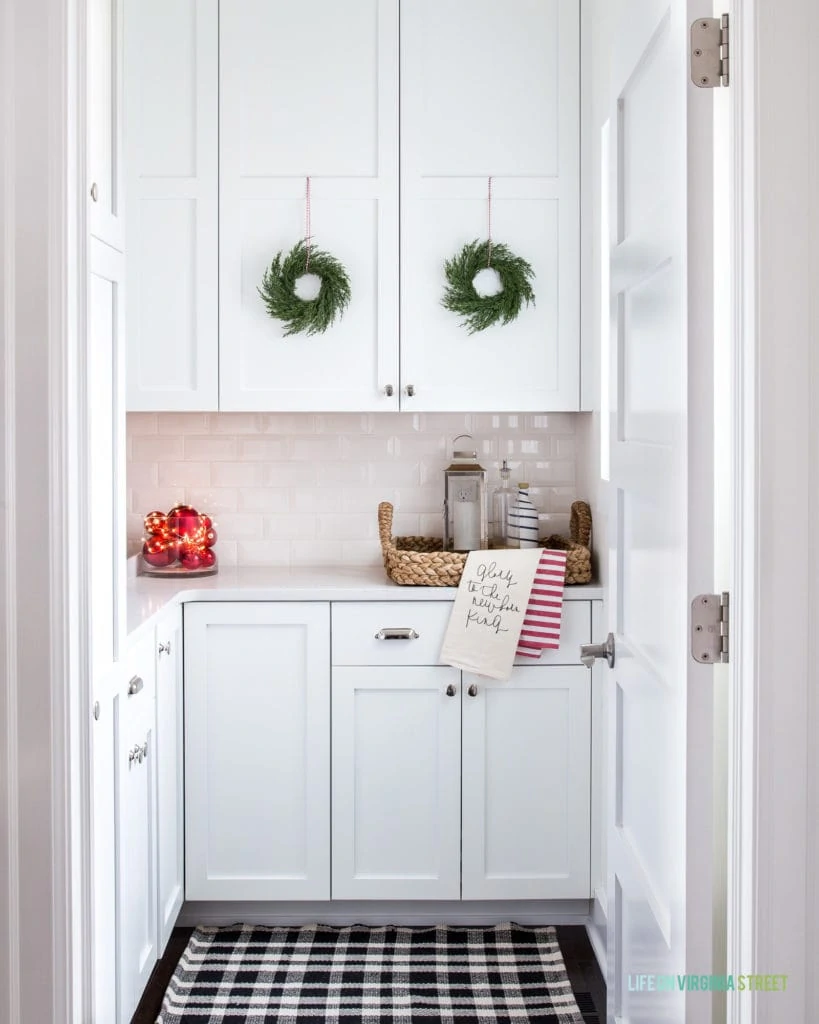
(148, 598)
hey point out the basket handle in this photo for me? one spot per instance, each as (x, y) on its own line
(580, 523)
(385, 524)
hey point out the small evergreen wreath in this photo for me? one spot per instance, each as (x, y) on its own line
(305, 316)
(482, 311)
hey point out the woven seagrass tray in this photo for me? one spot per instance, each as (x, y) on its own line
(422, 562)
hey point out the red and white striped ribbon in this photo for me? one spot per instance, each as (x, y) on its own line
(544, 613)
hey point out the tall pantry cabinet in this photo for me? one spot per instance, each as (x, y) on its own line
(398, 114)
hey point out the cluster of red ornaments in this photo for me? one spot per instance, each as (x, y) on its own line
(180, 536)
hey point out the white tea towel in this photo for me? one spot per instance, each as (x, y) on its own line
(487, 616)
(544, 613)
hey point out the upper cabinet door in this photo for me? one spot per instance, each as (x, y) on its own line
(490, 89)
(172, 169)
(309, 89)
(104, 190)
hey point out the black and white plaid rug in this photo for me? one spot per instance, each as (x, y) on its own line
(401, 975)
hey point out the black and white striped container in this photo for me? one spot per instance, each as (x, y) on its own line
(523, 520)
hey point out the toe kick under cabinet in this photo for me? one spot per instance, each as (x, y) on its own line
(329, 756)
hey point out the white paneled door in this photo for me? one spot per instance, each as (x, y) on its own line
(309, 89)
(526, 785)
(104, 188)
(659, 841)
(396, 783)
(257, 751)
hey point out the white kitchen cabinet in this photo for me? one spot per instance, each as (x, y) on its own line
(490, 89)
(107, 550)
(104, 110)
(257, 751)
(135, 758)
(170, 830)
(526, 785)
(396, 783)
(104, 868)
(309, 89)
(172, 175)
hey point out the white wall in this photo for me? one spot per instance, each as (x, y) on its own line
(303, 489)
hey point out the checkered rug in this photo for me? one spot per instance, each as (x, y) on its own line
(394, 975)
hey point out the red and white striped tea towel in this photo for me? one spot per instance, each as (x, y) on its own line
(541, 623)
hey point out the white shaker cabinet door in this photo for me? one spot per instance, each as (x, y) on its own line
(257, 751)
(490, 89)
(172, 172)
(135, 771)
(104, 189)
(309, 89)
(103, 818)
(106, 416)
(396, 783)
(169, 775)
(526, 785)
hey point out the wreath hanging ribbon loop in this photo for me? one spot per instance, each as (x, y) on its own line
(278, 287)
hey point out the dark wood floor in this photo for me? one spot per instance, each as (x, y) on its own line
(581, 966)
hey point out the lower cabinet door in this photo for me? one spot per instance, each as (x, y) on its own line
(135, 761)
(526, 799)
(257, 751)
(170, 867)
(396, 783)
(103, 792)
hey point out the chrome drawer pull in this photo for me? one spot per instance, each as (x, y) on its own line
(397, 634)
(135, 686)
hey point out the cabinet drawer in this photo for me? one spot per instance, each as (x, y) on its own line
(355, 625)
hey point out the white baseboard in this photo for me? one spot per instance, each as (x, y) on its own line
(596, 928)
(382, 912)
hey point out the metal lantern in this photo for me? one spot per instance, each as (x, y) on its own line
(466, 524)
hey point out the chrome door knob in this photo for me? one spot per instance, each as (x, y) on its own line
(451, 691)
(95, 192)
(590, 652)
(410, 390)
(473, 690)
(389, 390)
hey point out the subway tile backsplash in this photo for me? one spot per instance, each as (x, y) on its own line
(302, 489)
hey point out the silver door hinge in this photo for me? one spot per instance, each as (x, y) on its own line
(710, 52)
(710, 628)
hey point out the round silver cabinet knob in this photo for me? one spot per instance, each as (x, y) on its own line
(95, 192)
(389, 391)
(410, 390)
(473, 690)
(451, 691)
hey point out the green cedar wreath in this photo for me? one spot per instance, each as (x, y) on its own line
(482, 311)
(305, 316)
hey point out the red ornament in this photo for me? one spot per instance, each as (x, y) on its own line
(189, 559)
(207, 522)
(183, 520)
(206, 558)
(155, 522)
(210, 538)
(156, 553)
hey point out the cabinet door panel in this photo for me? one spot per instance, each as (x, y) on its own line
(339, 126)
(169, 769)
(171, 146)
(257, 761)
(136, 829)
(103, 796)
(529, 145)
(396, 783)
(526, 754)
(104, 104)
(107, 433)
